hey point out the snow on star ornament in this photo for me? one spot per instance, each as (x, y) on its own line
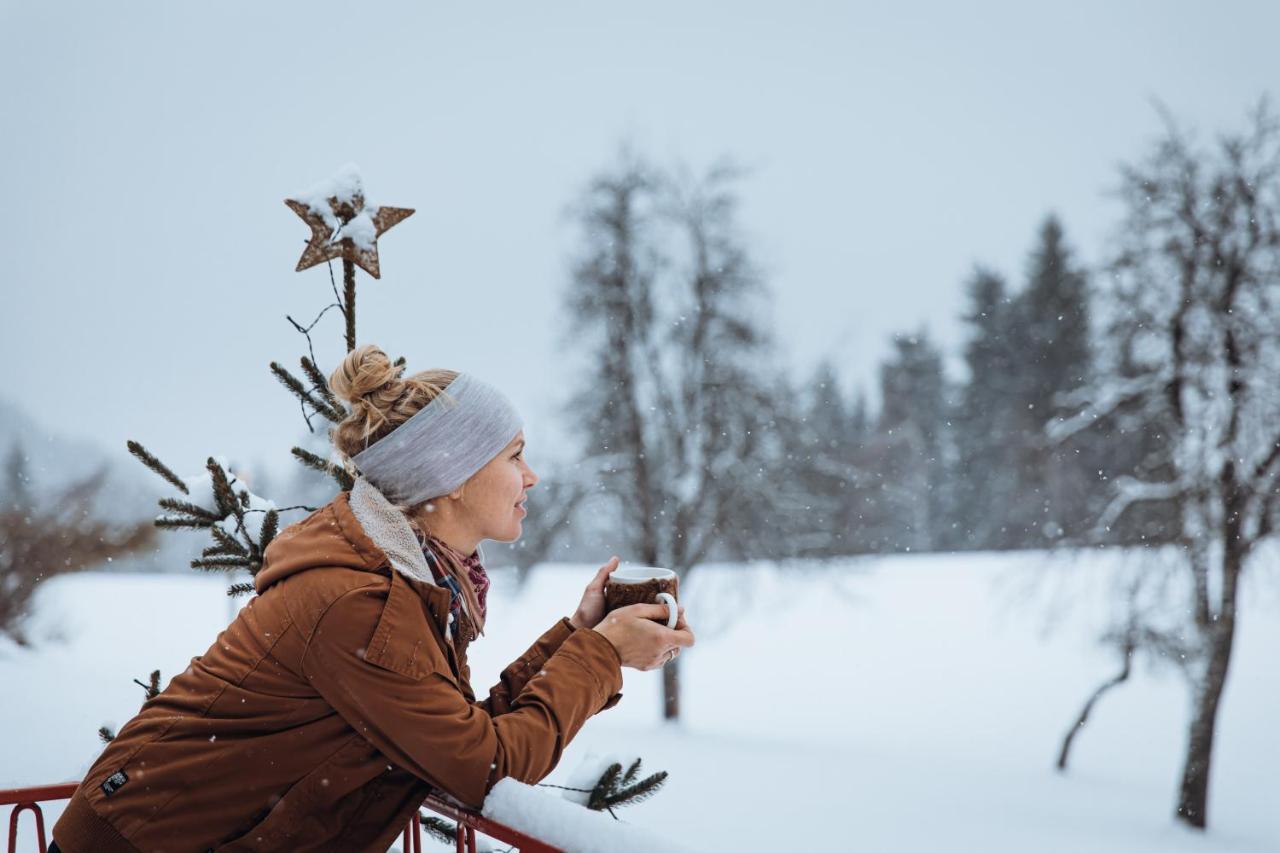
(343, 224)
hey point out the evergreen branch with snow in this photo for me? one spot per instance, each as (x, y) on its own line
(239, 589)
(148, 459)
(270, 526)
(228, 542)
(227, 502)
(234, 505)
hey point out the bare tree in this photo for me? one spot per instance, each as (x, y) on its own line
(675, 412)
(1194, 316)
(40, 539)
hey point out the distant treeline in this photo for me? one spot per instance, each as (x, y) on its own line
(943, 465)
(936, 465)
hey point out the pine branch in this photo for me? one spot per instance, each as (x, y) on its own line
(239, 589)
(221, 564)
(270, 527)
(228, 503)
(291, 382)
(188, 508)
(438, 828)
(145, 457)
(106, 734)
(631, 773)
(311, 460)
(170, 522)
(153, 689)
(231, 504)
(319, 383)
(607, 785)
(228, 542)
(219, 551)
(345, 481)
(638, 792)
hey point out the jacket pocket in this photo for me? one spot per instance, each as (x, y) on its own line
(316, 808)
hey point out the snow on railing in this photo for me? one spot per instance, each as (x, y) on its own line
(514, 813)
(568, 825)
(469, 822)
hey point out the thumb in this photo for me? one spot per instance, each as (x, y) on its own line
(603, 574)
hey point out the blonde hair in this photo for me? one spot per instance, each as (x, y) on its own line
(380, 400)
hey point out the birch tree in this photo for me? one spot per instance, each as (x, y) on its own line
(1193, 299)
(674, 412)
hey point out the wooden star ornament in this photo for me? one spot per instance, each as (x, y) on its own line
(343, 227)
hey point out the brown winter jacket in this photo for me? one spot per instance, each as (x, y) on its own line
(327, 710)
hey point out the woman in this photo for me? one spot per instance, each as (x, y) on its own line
(340, 696)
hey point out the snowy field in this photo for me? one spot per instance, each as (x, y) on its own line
(887, 704)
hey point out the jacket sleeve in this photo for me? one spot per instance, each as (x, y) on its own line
(513, 679)
(415, 713)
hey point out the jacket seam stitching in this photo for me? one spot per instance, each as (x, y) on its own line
(571, 656)
(306, 647)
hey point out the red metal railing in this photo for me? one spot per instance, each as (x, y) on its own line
(469, 822)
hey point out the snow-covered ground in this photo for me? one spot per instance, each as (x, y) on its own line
(887, 704)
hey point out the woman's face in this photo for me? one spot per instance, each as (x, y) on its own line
(495, 494)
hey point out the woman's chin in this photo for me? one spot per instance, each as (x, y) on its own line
(511, 534)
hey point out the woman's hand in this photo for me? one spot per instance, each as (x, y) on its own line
(642, 642)
(591, 610)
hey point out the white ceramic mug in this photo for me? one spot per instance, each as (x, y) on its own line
(640, 574)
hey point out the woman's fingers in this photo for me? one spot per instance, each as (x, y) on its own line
(681, 636)
(645, 611)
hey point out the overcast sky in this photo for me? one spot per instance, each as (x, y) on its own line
(147, 147)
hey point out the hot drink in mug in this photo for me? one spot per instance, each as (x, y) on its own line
(643, 585)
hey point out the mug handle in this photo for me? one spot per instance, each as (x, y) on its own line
(673, 615)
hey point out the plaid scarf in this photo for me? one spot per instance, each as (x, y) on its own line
(475, 571)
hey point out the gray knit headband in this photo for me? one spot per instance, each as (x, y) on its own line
(443, 444)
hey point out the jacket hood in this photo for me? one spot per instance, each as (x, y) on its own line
(330, 537)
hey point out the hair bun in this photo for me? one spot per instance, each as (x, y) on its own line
(380, 399)
(364, 372)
